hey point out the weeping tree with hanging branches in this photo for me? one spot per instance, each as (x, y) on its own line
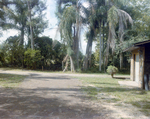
(70, 20)
(116, 17)
(96, 20)
(66, 24)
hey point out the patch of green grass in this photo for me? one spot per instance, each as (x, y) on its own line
(10, 80)
(118, 104)
(110, 87)
(91, 91)
(145, 111)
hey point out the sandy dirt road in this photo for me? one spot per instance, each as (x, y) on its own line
(55, 96)
(48, 96)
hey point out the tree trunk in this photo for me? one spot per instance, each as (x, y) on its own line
(77, 34)
(121, 60)
(62, 65)
(103, 46)
(107, 52)
(88, 54)
(66, 67)
(121, 38)
(112, 75)
(21, 44)
(32, 40)
(31, 29)
(22, 37)
(65, 60)
(71, 64)
(100, 49)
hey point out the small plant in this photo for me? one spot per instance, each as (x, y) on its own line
(112, 70)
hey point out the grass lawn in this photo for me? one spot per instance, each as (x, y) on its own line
(108, 89)
(10, 80)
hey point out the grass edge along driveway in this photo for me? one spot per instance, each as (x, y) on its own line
(10, 80)
(99, 88)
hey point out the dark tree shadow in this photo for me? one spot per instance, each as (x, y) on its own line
(123, 78)
(36, 104)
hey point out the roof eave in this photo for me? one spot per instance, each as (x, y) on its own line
(131, 48)
(142, 43)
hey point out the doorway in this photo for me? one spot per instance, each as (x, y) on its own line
(136, 67)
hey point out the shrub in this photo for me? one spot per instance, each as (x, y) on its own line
(32, 58)
(112, 70)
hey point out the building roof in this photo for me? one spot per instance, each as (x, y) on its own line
(137, 45)
(142, 43)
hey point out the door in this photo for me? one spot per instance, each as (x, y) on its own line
(137, 68)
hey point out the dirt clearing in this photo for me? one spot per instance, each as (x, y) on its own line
(50, 96)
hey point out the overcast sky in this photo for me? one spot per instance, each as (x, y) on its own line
(52, 28)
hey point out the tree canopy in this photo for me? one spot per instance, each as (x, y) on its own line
(112, 24)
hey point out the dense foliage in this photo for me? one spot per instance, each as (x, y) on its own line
(32, 59)
(48, 54)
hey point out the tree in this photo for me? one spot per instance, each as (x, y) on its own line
(115, 18)
(52, 52)
(18, 17)
(30, 21)
(70, 27)
(44, 44)
(36, 22)
(32, 58)
(96, 16)
(13, 54)
(120, 17)
(87, 59)
(3, 15)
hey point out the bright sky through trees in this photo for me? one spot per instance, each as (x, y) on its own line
(52, 27)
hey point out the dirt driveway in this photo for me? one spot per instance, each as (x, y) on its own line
(48, 96)
(52, 96)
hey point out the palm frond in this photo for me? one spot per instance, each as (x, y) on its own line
(66, 23)
(125, 17)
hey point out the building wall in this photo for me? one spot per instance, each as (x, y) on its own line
(141, 65)
(141, 52)
(144, 65)
(132, 66)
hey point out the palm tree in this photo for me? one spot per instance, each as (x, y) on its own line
(3, 16)
(70, 26)
(96, 15)
(115, 16)
(66, 24)
(21, 12)
(18, 18)
(87, 59)
(36, 20)
(120, 17)
(96, 18)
